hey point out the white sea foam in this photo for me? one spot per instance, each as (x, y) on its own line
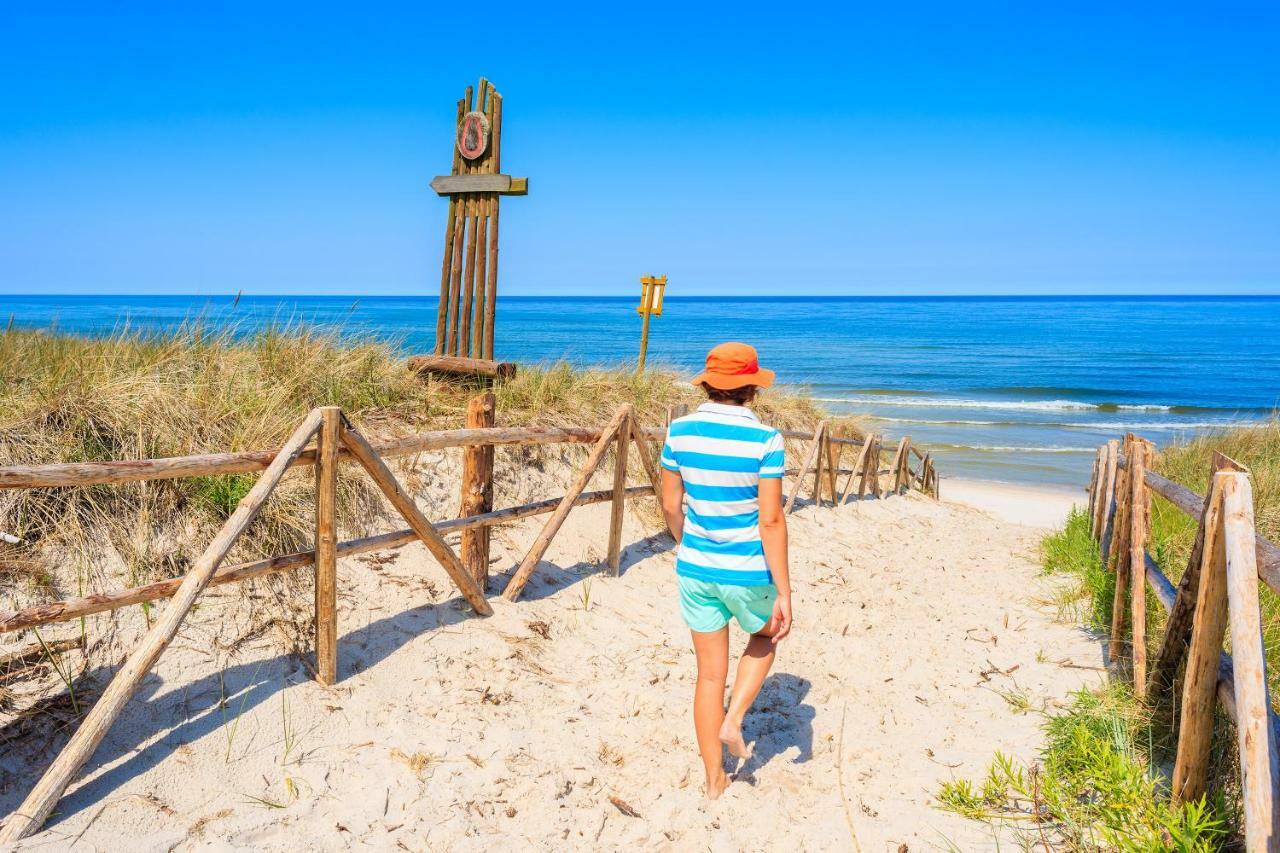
(1001, 448)
(1027, 405)
(1097, 426)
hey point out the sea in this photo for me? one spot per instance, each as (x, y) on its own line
(1016, 389)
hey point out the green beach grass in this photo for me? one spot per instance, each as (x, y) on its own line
(1101, 781)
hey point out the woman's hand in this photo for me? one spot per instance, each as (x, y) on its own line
(781, 618)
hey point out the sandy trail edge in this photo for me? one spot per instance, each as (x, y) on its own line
(1044, 507)
(452, 732)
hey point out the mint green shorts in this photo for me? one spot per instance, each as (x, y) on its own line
(707, 607)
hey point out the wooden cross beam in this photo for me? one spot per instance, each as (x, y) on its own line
(500, 184)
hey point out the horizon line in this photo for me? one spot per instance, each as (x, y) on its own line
(703, 295)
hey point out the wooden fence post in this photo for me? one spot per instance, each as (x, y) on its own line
(833, 466)
(1208, 627)
(1140, 516)
(818, 462)
(1178, 628)
(809, 457)
(1094, 488)
(858, 466)
(899, 460)
(326, 544)
(872, 471)
(35, 809)
(1119, 648)
(1107, 508)
(1259, 764)
(548, 532)
(477, 488)
(619, 506)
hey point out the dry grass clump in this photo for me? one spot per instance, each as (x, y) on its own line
(136, 395)
(1173, 533)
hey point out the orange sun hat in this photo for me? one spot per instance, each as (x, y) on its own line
(733, 365)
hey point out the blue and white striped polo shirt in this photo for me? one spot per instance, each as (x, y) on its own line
(721, 452)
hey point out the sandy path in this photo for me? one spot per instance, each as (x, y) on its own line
(450, 732)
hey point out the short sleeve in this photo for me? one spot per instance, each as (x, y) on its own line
(668, 459)
(773, 462)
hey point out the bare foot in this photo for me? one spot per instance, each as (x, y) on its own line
(716, 786)
(731, 736)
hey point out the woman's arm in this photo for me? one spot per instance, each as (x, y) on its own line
(773, 533)
(673, 503)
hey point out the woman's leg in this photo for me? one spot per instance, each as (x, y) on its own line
(712, 650)
(753, 667)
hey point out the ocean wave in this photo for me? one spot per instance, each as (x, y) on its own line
(1001, 448)
(1091, 426)
(1020, 405)
(945, 422)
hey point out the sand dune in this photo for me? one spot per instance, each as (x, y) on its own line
(562, 722)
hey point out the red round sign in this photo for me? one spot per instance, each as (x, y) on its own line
(473, 135)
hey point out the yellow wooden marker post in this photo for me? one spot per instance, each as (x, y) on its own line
(652, 289)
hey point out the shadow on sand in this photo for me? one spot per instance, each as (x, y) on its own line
(778, 722)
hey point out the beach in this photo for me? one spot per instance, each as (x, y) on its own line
(561, 722)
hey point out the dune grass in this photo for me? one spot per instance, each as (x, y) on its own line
(136, 395)
(1172, 532)
(1099, 783)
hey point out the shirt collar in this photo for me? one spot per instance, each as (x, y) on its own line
(725, 409)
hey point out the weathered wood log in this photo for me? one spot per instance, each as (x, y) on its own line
(834, 451)
(98, 473)
(1179, 625)
(1209, 625)
(1093, 490)
(477, 489)
(816, 494)
(896, 465)
(479, 183)
(650, 469)
(326, 544)
(75, 608)
(858, 467)
(1165, 594)
(461, 366)
(35, 809)
(491, 279)
(543, 540)
(1268, 553)
(1108, 508)
(446, 271)
(871, 471)
(405, 505)
(621, 451)
(1259, 762)
(809, 457)
(1140, 518)
(1119, 648)
(455, 275)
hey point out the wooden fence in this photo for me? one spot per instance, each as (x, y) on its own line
(337, 441)
(1219, 589)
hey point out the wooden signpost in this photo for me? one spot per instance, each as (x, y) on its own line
(652, 289)
(469, 271)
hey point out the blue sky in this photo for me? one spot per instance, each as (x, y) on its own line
(948, 148)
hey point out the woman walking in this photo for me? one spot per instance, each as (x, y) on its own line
(732, 561)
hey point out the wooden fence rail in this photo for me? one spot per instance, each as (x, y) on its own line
(337, 441)
(1218, 592)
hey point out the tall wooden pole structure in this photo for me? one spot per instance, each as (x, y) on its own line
(652, 289)
(469, 270)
